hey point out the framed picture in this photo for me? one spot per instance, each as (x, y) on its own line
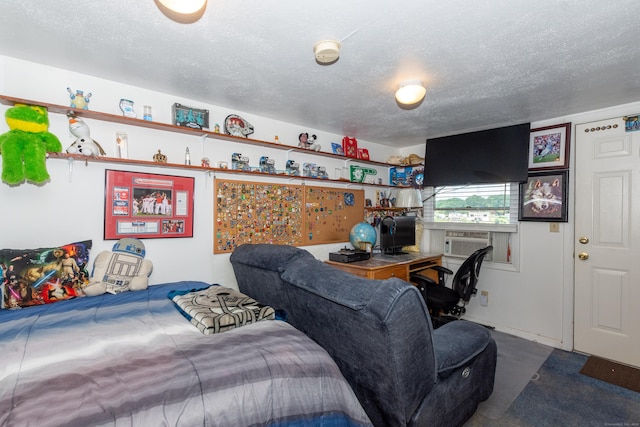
(549, 147)
(147, 206)
(544, 197)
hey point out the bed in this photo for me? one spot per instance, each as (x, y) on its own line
(132, 359)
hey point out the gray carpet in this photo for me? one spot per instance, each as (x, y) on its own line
(518, 362)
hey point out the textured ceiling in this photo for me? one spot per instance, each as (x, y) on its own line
(485, 64)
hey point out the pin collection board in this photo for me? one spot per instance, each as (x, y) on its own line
(297, 215)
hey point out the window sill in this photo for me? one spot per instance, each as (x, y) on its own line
(500, 228)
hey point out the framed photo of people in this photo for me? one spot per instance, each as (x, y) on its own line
(147, 206)
(549, 147)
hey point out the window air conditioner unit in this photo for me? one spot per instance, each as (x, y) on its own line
(464, 243)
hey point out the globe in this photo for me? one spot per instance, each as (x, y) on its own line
(363, 235)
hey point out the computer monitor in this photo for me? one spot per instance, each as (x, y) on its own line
(396, 233)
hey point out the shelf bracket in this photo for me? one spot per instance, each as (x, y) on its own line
(289, 152)
(70, 162)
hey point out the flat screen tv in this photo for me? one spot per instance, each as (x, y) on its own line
(482, 157)
(396, 233)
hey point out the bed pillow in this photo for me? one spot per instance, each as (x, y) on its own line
(43, 275)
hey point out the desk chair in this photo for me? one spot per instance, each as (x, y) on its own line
(451, 301)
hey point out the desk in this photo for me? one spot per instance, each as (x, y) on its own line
(386, 266)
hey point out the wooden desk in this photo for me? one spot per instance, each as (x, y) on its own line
(386, 266)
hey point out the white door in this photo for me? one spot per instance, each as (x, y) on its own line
(607, 247)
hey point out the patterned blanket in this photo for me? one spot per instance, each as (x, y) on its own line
(217, 308)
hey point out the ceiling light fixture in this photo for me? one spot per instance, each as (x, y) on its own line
(410, 92)
(182, 11)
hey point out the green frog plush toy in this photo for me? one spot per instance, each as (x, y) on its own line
(24, 147)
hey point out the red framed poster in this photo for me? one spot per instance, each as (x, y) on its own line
(147, 206)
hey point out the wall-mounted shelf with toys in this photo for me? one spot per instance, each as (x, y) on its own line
(113, 118)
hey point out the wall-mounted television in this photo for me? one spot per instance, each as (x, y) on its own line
(396, 233)
(482, 157)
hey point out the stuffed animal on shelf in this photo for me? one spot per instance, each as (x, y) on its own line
(24, 147)
(120, 270)
(83, 144)
(308, 142)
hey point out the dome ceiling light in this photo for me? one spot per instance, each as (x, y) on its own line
(410, 92)
(182, 11)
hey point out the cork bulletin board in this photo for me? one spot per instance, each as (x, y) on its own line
(330, 213)
(298, 215)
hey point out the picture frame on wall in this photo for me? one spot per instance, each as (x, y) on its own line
(147, 206)
(543, 197)
(549, 147)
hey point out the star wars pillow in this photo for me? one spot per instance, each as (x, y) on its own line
(44, 275)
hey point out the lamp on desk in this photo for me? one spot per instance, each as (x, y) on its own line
(409, 198)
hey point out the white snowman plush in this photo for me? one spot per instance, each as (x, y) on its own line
(120, 270)
(83, 144)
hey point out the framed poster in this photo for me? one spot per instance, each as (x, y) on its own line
(147, 206)
(549, 147)
(544, 197)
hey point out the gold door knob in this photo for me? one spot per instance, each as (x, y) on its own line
(583, 256)
(583, 240)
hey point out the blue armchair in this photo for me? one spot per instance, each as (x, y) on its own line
(379, 332)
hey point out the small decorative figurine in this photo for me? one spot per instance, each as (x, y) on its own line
(159, 157)
(79, 99)
(308, 142)
(276, 140)
(187, 157)
(204, 162)
(83, 144)
(216, 128)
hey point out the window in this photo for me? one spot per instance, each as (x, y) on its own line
(473, 204)
(491, 208)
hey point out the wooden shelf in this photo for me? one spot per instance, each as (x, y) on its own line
(117, 160)
(113, 118)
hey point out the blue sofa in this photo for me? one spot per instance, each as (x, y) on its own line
(379, 332)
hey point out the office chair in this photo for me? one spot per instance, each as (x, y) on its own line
(451, 301)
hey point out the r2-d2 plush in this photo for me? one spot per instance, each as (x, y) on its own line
(120, 270)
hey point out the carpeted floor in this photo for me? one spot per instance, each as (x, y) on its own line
(559, 395)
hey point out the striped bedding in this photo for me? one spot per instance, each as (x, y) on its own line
(133, 360)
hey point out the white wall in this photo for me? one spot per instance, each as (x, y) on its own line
(71, 206)
(535, 302)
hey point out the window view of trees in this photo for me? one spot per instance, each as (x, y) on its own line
(474, 207)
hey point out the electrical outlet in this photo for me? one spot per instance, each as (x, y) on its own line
(484, 298)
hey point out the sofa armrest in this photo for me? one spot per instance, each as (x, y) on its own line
(457, 343)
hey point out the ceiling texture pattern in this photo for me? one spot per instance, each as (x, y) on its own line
(485, 64)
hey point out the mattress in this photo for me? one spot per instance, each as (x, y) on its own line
(133, 359)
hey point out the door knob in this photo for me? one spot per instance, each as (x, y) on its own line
(583, 240)
(583, 256)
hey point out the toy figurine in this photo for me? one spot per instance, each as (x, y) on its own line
(308, 142)
(79, 99)
(83, 144)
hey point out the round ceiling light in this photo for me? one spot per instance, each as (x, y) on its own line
(183, 11)
(327, 51)
(410, 92)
